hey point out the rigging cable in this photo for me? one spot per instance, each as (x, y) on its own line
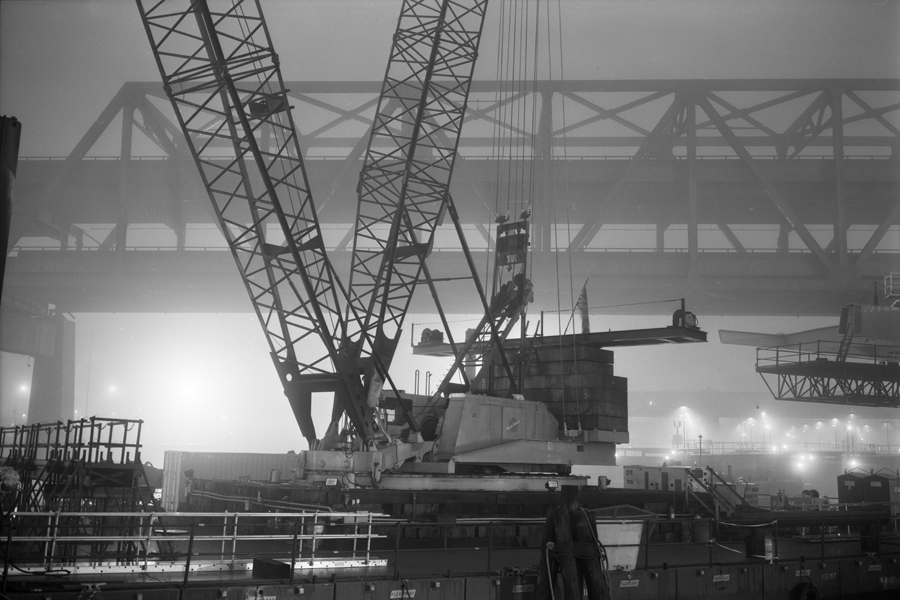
(496, 134)
(562, 78)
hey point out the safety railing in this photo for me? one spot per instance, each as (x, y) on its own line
(515, 545)
(81, 541)
(892, 286)
(768, 447)
(227, 542)
(820, 351)
(91, 440)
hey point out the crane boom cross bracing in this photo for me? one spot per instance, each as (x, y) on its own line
(222, 76)
(405, 180)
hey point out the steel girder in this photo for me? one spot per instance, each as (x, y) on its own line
(838, 372)
(610, 117)
(222, 76)
(61, 198)
(836, 389)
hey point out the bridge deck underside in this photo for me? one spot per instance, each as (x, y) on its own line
(746, 197)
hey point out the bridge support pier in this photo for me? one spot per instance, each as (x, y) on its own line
(50, 341)
(53, 381)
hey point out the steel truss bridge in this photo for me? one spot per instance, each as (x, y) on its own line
(744, 196)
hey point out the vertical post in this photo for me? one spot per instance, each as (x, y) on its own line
(312, 556)
(490, 544)
(693, 236)
(148, 541)
(840, 219)
(822, 538)
(356, 531)
(646, 546)
(224, 535)
(397, 551)
(369, 538)
(775, 540)
(8, 547)
(303, 532)
(54, 531)
(187, 560)
(234, 536)
(293, 553)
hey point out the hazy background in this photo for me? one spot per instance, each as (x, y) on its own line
(205, 381)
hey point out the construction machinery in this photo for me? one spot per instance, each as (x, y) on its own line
(222, 74)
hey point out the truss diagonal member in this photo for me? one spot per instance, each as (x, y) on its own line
(743, 113)
(221, 74)
(592, 220)
(608, 113)
(343, 115)
(783, 207)
(49, 198)
(889, 220)
(732, 238)
(161, 131)
(808, 125)
(872, 113)
(487, 338)
(404, 184)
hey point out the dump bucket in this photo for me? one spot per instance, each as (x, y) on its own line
(622, 540)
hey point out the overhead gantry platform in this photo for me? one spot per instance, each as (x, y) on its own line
(813, 375)
(852, 363)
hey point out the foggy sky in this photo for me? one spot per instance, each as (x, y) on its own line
(62, 60)
(206, 382)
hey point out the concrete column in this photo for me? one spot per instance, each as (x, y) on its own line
(53, 380)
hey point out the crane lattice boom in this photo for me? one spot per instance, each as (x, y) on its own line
(222, 75)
